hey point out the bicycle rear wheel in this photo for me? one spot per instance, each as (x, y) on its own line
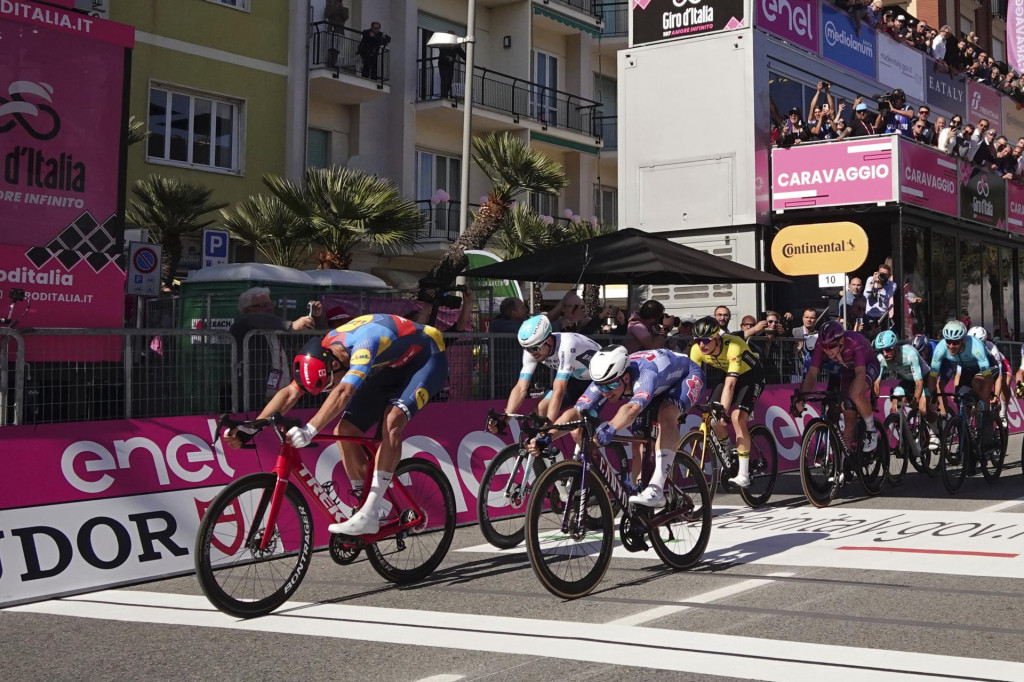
(819, 464)
(692, 445)
(237, 576)
(413, 554)
(873, 464)
(569, 552)
(992, 460)
(764, 467)
(501, 500)
(953, 457)
(899, 449)
(679, 533)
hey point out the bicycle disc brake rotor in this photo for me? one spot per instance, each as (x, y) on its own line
(263, 552)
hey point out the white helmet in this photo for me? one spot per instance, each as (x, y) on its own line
(534, 331)
(978, 333)
(609, 364)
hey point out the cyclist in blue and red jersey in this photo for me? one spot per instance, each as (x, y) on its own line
(661, 381)
(409, 366)
(858, 367)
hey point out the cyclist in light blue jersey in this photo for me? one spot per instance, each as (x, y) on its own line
(659, 380)
(903, 362)
(977, 368)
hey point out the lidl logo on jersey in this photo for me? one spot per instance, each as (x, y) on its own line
(361, 357)
(421, 397)
(356, 323)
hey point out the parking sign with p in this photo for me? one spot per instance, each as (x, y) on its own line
(215, 247)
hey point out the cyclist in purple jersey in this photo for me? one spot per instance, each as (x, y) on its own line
(659, 380)
(858, 367)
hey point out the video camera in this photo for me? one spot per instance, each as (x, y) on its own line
(431, 292)
(887, 100)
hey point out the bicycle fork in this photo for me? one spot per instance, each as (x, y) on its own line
(580, 529)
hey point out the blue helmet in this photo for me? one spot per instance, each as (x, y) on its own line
(534, 331)
(955, 330)
(920, 343)
(886, 339)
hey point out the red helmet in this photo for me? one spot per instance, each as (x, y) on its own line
(831, 333)
(312, 368)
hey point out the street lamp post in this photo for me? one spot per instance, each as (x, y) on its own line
(444, 39)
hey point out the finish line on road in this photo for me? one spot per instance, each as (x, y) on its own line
(988, 544)
(698, 652)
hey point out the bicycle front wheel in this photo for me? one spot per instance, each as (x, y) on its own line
(692, 445)
(680, 532)
(414, 553)
(764, 467)
(899, 448)
(819, 464)
(569, 551)
(237, 575)
(953, 457)
(992, 460)
(501, 501)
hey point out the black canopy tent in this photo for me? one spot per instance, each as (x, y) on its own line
(628, 256)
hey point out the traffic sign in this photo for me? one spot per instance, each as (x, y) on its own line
(143, 269)
(215, 247)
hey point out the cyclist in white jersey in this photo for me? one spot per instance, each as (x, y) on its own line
(1001, 387)
(566, 353)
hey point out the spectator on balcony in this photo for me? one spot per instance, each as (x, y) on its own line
(955, 58)
(823, 126)
(370, 48)
(816, 106)
(992, 78)
(939, 43)
(1018, 155)
(842, 130)
(793, 130)
(900, 30)
(861, 126)
(940, 127)
(960, 142)
(985, 152)
(918, 38)
(873, 14)
(336, 14)
(1005, 162)
(917, 132)
(895, 118)
(981, 130)
(927, 130)
(447, 58)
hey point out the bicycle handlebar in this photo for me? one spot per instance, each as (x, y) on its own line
(535, 424)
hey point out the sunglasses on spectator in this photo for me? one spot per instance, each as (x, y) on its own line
(605, 389)
(772, 321)
(991, 132)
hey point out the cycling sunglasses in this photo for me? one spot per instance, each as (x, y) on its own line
(533, 350)
(704, 340)
(831, 346)
(605, 389)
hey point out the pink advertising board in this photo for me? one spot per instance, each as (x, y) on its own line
(1015, 207)
(96, 504)
(928, 178)
(792, 20)
(983, 102)
(62, 89)
(1014, 33)
(834, 174)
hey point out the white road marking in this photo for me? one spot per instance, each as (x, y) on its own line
(697, 652)
(1006, 504)
(706, 598)
(442, 678)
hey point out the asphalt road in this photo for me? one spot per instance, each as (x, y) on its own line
(910, 585)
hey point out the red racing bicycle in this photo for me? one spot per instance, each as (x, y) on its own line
(255, 541)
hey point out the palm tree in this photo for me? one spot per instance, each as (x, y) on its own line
(346, 207)
(578, 231)
(137, 131)
(270, 227)
(513, 168)
(170, 208)
(523, 231)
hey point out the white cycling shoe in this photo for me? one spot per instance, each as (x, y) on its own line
(651, 496)
(933, 443)
(742, 480)
(359, 524)
(870, 443)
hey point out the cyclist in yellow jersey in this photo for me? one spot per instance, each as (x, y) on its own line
(736, 385)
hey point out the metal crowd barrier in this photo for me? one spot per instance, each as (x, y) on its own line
(66, 375)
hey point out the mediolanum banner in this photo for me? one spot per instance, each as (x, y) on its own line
(655, 21)
(841, 43)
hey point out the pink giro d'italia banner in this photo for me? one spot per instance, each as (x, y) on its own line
(1015, 207)
(927, 178)
(834, 174)
(96, 504)
(62, 88)
(1015, 34)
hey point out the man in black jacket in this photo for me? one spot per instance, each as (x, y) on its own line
(370, 47)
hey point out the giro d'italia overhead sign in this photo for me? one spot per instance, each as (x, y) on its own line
(655, 21)
(819, 248)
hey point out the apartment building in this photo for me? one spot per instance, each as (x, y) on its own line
(235, 89)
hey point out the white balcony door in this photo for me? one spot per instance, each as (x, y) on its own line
(544, 104)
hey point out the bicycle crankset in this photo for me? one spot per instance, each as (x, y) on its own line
(633, 533)
(344, 549)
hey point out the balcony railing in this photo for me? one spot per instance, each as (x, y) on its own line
(441, 221)
(585, 6)
(509, 95)
(339, 52)
(608, 129)
(614, 19)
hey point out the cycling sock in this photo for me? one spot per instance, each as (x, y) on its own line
(662, 463)
(1002, 409)
(381, 481)
(744, 457)
(869, 424)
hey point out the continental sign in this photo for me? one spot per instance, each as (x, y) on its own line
(819, 248)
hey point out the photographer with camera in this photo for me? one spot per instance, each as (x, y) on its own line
(880, 291)
(893, 114)
(820, 116)
(369, 49)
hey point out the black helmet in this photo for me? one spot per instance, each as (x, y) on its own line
(706, 327)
